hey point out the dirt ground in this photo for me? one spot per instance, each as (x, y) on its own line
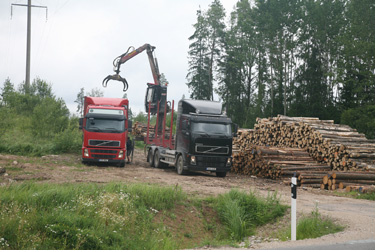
(357, 215)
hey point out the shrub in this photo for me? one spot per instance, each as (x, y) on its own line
(68, 141)
(242, 212)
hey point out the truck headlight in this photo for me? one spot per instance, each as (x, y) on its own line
(86, 152)
(193, 161)
(229, 162)
(121, 154)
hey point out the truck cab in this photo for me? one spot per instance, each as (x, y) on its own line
(105, 127)
(203, 137)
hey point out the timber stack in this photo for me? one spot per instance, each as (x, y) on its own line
(139, 131)
(338, 147)
(357, 181)
(278, 163)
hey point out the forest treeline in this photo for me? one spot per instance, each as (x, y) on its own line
(293, 57)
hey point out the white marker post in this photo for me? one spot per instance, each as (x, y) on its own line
(294, 207)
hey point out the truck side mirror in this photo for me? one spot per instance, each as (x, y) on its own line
(80, 122)
(130, 125)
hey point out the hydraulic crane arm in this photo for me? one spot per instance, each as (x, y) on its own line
(156, 94)
(130, 53)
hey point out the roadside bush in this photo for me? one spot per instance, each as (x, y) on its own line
(49, 117)
(68, 141)
(242, 212)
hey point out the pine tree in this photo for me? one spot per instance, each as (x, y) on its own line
(205, 51)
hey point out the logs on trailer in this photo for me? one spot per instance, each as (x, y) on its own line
(139, 131)
(332, 147)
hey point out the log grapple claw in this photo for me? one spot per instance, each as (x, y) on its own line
(115, 77)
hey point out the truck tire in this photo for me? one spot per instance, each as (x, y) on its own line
(180, 166)
(221, 174)
(150, 158)
(157, 162)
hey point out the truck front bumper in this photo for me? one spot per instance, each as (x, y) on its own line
(109, 161)
(209, 163)
(101, 155)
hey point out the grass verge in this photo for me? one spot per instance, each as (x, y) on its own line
(357, 195)
(313, 225)
(134, 216)
(84, 216)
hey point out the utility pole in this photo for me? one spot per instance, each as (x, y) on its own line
(28, 43)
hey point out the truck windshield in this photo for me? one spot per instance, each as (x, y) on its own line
(211, 128)
(105, 125)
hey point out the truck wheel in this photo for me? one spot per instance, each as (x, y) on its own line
(180, 166)
(157, 163)
(150, 158)
(221, 174)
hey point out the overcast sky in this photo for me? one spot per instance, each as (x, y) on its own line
(76, 45)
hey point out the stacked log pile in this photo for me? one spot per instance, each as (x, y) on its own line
(360, 181)
(279, 163)
(338, 147)
(139, 131)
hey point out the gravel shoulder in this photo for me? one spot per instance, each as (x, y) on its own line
(357, 215)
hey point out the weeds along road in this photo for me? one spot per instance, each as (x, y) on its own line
(357, 215)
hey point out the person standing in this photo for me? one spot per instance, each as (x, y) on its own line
(129, 149)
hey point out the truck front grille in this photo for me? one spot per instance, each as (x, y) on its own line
(211, 161)
(205, 149)
(104, 143)
(103, 151)
(103, 156)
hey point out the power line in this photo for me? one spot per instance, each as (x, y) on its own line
(28, 44)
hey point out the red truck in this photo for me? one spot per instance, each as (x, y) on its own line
(105, 128)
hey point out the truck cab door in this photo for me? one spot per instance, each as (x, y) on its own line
(183, 135)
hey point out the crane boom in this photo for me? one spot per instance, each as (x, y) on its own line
(156, 94)
(129, 54)
(153, 63)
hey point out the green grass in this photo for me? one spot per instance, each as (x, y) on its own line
(84, 216)
(23, 142)
(242, 212)
(357, 195)
(312, 226)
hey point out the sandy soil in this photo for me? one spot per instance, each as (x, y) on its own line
(357, 215)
